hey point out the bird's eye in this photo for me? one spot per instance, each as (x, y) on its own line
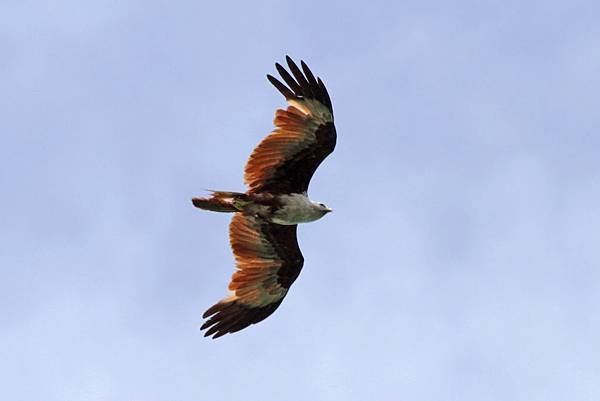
(322, 205)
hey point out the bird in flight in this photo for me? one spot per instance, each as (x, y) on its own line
(262, 232)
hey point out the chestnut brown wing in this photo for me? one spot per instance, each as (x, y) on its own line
(268, 261)
(285, 161)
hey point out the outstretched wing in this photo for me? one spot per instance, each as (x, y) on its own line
(285, 161)
(268, 261)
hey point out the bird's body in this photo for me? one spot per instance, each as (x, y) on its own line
(284, 209)
(297, 208)
(263, 229)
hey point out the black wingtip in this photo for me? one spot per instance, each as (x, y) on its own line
(301, 83)
(284, 90)
(307, 89)
(233, 316)
(325, 94)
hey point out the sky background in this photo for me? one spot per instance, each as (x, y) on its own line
(461, 261)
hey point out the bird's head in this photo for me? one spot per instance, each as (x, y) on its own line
(321, 207)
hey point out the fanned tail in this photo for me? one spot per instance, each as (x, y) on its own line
(222, 201)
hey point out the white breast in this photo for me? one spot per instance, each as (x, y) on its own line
(296, 208)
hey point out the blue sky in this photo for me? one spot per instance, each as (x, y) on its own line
(461, 262)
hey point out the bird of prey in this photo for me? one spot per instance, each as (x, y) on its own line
(262, 232)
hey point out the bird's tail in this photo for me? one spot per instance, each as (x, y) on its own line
(221, 201)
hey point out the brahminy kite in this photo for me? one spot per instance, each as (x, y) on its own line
(263, 230)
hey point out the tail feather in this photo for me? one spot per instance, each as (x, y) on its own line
(221, 201)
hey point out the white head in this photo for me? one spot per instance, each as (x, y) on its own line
(321, 207)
